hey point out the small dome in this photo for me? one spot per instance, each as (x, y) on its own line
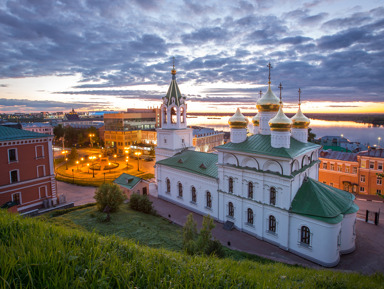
(238, 120)
(268, 102)
(280, 122)
(173, 71)
(299, 120)
(256, 120)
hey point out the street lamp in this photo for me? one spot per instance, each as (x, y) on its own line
(77, 163)
(126, 161)
(88, 167)
(65, 152)
(73, 176)
(91, 135)
(82, 164)
(138, 154)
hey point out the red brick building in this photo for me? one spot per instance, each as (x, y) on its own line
(27, 175)
(371, 165)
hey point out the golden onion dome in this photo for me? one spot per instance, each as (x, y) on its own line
(173, 71)
(280, 122)
(256, 120)
(238, 120)
(268, 102)
(299, 120)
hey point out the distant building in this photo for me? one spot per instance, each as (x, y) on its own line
(132, 185)
(72, 116)
(39, 127)
(353, 172)
(132, 127)
(205, 139)
(339, 170)
(27, 177)
(339, 143)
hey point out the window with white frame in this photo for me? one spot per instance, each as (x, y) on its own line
(362, 178)
(41, 171)
(230, 185)
(231, 209)
(332, 167)
(378, 192)
(371, 165)
(347, 169)
(362, 189)
(39, 151)
(14, 176)
(42, 192)
(305, 235)
(272, 224)
(272, 196)
(209, 200)
(250, 216)
(380, 166)
(354, 170)
(339, 168)
(379, 180)
(168, 184)
(250, 190)
(12, 155)
(193, 192)
(325, 166)
(16, 197)
(180, 190)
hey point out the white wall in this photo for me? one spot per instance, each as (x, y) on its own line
(348, 235)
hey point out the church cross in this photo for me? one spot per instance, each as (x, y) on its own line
(173, 62)
(299, 96)
(260, 93)
(281, 87)
(269, 68)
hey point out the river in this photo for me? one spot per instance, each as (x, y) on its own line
(355, 132)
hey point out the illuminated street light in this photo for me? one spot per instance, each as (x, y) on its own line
(138, 154)
(65, 152)
(77, 163)
(91, 135)
(126, 161)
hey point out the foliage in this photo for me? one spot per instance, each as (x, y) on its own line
(58, 131)
(152, 151)
(74, 155)
(202, 243)
(311, 135)
(141, 203)
(109, 195)
(36, 254)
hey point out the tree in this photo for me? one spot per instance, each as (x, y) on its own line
(74, 155)
(190, 235)
(58, 131)
(109, 195)
(141, 203)
(311, 135)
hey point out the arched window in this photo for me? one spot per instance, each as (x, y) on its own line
(209, 200)
(272, 224)
(194, 194)
(182, 115)
(168, 182)
(231, 210)
(230, 185)
(250, 190)
(165, 115)
(250, 216)
(173, 115)
(305, 235)
(180, 187)
(272, 196)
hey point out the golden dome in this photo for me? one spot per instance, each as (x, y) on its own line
(280, 122)
(299, 120)
(256, 120)
(268, 102)
(238, 120)
(173, 71)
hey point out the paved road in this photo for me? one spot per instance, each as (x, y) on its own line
(367, 258)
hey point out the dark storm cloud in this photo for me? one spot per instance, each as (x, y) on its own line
(112, 44)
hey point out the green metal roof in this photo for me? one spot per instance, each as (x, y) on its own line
(193, 162)
(322, 202)
(173, 93)
(127, 181)
(261, 144)
(9, 133)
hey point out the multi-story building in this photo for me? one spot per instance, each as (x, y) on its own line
(40, 127)
(339, 170)
(371, 168)
(124, 129)
(353, 172)
(205, 139)
(26, 173)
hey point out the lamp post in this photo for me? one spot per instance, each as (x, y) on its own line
(126, 161)
(65, 152)
(88, 167)
(77, 164)
(138, 154)
(73, 176)
(82, 160)
(91, 135)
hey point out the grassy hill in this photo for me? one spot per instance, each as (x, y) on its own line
(36, 254)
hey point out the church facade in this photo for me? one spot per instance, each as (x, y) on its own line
(264, 183)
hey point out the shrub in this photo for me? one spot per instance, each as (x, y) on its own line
(109, 195)
(141, 203)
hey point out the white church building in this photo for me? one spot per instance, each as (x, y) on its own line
(264, 183)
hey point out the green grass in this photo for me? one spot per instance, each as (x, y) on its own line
(36, 254)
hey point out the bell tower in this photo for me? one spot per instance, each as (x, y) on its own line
(174, 135)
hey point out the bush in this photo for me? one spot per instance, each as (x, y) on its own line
(141, 203)
(109, 195)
